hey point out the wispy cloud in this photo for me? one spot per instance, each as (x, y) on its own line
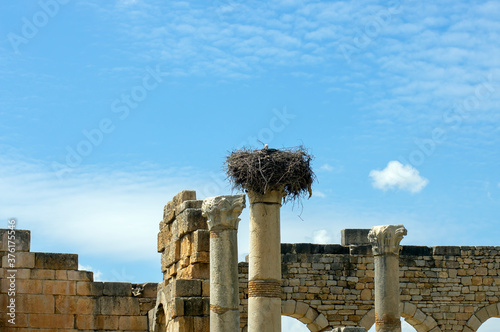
(326, 167)
(397, 175)
(321, 237)
(97, 210)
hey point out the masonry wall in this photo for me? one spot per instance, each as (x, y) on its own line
(184, 243)
(442, 288)
(51, 294)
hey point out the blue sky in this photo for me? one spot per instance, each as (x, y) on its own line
(107, 109)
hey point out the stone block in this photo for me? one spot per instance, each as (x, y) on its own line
(85, 322)
(56, 261)
(185, 195)
(35, 303)
(361, 250)
(80, 275)
(20, 240)
(43, 274)
(193, 306)
(22, 286)
(118, 305)
(186, 288)
(446, 251)
(190, 204)
(288, 307)
(89, 288)
(19, 260)
(195, 271)
(200, 257)
(354, 237)
(106, 322)
(59, 287)
(300, 310)
(84, 305)
(189, 221)
(117, 289)
(201, 240)
(160, 242)
(415, 251)
(133, 323)
(45, 321)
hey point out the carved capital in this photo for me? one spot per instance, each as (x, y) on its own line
(222, 212)
(385, 239)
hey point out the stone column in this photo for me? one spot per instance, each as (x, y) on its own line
(385, 245)
(264, 263)
(222, 213)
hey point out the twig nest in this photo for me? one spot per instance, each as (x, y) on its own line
(264, 170)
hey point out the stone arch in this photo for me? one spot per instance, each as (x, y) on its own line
(414, 316)
(481, 316)
(314, 320)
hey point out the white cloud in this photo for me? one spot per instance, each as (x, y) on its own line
(318, 193)
(321, 237)
(326, 167)
(93, 210)
(397, 175)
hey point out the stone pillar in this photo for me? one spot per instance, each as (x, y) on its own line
(222, 213)
(264, 263)
(385, 246)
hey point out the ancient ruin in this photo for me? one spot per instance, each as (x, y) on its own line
(327, 287)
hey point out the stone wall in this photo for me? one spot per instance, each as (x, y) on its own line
(442, 288)
(51, 294)
(184, 243)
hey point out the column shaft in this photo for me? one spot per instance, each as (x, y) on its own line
(222, 213)
(264, 272)
(385, 244)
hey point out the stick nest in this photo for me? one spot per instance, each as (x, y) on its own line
(271, 169)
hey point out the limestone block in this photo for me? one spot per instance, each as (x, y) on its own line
(22, 260)
(288, 307)
(56, 261)
(89, 288)
(195, 306)
(80, 275)
(85, 322)
(300, 310)
(186, 288)
(160, 242)
(46, 321)
(21, 240)
(474, 323)
(34, 303)
(200, 257)
(354, 237)
(59, 287)
(195, 271)
(106, 322)
(133, 323)
(84, 305)
(118, 305)
(189, 204)
(189, 221)
(201, 240)
(24, 286)
(117, 289)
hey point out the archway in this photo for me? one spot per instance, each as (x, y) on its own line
(291, 324)
(314, 320)
(491, 325)
(412, 315)
(481, 316)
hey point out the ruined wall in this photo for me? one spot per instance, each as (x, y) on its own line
(442, 288)
(51, 294)
(184, 243)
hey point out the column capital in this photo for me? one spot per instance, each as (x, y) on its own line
(272, 196)
(385, 239)
(222, 212)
